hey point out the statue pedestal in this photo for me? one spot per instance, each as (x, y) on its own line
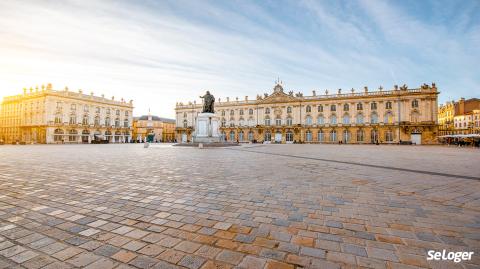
(206, 129)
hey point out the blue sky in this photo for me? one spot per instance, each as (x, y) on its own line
(161, 52)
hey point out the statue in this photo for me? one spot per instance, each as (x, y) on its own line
(208, 101)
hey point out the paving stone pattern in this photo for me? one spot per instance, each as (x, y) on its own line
(254, 206)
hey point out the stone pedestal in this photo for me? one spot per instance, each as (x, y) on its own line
(206, 129)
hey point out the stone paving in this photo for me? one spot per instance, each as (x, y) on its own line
(254, 206)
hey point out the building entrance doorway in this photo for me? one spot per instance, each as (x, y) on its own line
(416, 138)
(278, 137)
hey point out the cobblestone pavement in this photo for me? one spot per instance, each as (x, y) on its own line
(255, 206)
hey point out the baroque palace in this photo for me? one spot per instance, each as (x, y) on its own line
(50, 116)
(382, 116)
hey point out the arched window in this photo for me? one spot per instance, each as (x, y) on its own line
(388, 105)
(388, 135)
(278, 122)
(374, 136)
(308, 136)
(240, 136)
(320, 120)
(185, 123)
(320, 108)
(72, 135)
(388, 118)
(415, 116)
(333, 108)
(333, 136)
(125, 123)
(359, 119)
(267, 121)
(289, 121)
(360, 135)
(346, 107)
(320, 136)
(415, 103)
(373, 106)
(107, 121)
(250, 111)
(308, 109)
(308, 120)
(232, 136)
(359, 106)
(346, 136)
(117, 136)
(346, 119)
(374, 118)
(289, 136)
(223, 136)
(267, 110)
(267, 136)
(333, 119)
(250, 136)
(232, 112)
(58, 135)
(289, 109)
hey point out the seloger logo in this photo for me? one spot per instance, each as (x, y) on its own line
(449, 256)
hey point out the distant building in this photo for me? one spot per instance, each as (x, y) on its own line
(153, 129)
(459, 117)
(383, 116)
(62, 116)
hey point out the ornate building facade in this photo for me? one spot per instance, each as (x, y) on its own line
(153, 129)
(62, 116)
(383, 116)
(458, 117)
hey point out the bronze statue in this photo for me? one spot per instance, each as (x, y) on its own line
(208, 101)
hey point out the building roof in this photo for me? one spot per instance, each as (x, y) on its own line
(154, 118)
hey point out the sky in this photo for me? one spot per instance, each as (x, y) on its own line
(162, 52)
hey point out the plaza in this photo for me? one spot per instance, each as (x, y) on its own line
(252, 206)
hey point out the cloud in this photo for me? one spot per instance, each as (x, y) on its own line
(161, 52)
